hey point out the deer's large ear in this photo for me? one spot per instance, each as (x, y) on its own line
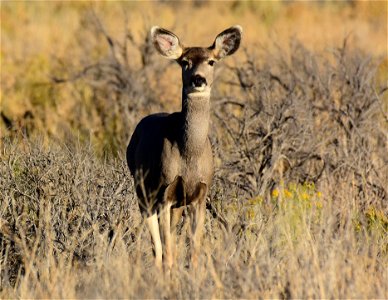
(227, 42)
(166, 43)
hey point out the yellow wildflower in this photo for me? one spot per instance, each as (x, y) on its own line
(287, 194)
(305, 196)
(319, 194)
(275, 193)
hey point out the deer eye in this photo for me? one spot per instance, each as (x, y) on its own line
(185, 64)
(212, 62)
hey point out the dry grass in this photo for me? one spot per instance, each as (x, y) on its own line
(70, 227)
(298, 207)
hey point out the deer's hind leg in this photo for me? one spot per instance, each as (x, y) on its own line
(176, 215)
(173, 194)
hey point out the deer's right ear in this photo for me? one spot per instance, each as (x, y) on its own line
(166, 42)
(227, 42)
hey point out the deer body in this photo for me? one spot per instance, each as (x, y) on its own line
(178, 143)
(170, 155)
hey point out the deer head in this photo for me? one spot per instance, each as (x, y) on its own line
(197, 63)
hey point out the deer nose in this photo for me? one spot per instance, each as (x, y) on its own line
(198, 81)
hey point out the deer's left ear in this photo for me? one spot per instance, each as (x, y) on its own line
(227, 42)
(166, 43)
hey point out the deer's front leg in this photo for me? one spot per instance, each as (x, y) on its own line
(153, 226)
(198, 214)
(165, 218)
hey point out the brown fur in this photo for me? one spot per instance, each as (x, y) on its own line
(170, 155)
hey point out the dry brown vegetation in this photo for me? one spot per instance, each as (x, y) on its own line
(298, 207)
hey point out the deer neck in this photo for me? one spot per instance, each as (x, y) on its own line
(196, 116)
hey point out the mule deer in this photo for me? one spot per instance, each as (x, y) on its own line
(169, 155)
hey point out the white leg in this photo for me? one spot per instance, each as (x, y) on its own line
(153, 226)
(165, 218)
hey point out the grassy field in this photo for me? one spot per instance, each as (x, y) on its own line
(299, 202)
